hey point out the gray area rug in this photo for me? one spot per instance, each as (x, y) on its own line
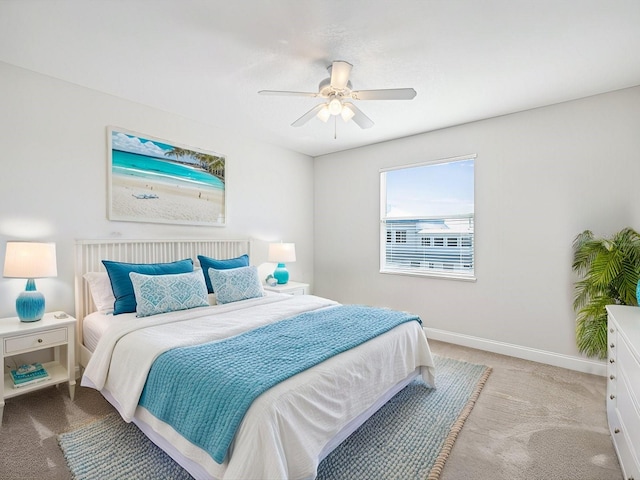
(410, 437)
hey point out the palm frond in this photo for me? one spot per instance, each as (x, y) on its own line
(591, 336)
(591, 327)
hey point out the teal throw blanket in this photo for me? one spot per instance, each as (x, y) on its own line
(204, 391)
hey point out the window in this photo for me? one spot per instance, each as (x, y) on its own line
(427, 219)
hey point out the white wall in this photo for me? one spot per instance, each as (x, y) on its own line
(53, 181)
(542, 176)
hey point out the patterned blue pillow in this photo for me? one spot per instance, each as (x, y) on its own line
(236, 284)
(207, 262)
(168, 293)
(121, 283)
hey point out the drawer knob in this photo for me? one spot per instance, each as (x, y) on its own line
(612, 396)
(612, 345)
(617, 430)
(611, 330)
(612, 377)
(39, 340)
(612, 360)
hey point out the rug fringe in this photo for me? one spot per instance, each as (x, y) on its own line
(436, 470)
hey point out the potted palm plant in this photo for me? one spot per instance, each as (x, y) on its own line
(609, 269)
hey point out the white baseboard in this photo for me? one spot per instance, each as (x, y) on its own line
(579, 364)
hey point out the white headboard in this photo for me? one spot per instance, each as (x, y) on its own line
(90, 253)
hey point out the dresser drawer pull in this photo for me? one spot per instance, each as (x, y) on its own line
(39, 340)
(617, 430)
(612, 345)
(612, 377)
(612, 396)
(612, 360)
(611, 330)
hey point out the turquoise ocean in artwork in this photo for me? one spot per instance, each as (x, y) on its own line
(165, 171)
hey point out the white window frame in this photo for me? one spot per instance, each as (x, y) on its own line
(428, 267)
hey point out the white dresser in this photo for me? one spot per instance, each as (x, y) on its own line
(623, 387)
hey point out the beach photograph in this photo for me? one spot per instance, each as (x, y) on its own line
(154, 181)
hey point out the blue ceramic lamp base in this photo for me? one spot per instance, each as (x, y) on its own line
(281, 274)
(30, 303)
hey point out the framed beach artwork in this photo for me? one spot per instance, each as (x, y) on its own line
(152, 180)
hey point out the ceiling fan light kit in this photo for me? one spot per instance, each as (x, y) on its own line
(336, 89)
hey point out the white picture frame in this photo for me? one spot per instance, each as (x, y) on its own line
(159, 181)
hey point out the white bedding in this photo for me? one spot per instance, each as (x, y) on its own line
(286, 430)
(96, 324)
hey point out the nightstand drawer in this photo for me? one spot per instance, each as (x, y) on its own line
(295, 291)
(39, 340)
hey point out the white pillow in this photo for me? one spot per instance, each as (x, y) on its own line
(235, 284)
(168, 293)
(101, 292)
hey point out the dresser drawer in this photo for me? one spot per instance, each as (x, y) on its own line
(628, 364)
(629, 412)
(628, 460)
(35, 340)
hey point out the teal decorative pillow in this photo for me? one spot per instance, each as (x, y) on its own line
(236, 284)
(207, 262)
(121, 283)
(168, 293)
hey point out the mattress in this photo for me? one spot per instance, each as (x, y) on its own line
(97, 323)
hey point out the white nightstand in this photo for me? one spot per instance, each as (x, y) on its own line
(290, 288)
(18, 338)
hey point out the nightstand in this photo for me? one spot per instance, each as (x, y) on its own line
(18, 338)
(290, 288)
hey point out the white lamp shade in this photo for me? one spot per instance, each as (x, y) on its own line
(347, 113)
(282, 252)
(335, 106)
(30, 260)
(324, 113)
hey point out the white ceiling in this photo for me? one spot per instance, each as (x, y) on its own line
(206, 60)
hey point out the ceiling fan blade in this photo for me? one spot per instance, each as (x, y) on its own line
(384, 94)
(359, 118)
(308, 116)
(291, 94)
(340, 72)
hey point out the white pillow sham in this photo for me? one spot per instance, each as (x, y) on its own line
(101, 292)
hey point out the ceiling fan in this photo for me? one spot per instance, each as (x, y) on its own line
(337, 91)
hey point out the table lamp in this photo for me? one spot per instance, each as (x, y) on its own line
(30, 260)
(281, 253)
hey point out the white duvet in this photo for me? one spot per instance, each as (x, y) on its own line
(284, 433)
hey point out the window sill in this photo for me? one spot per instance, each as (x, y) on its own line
(442, 276)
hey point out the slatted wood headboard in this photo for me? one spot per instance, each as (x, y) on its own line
(90, 253)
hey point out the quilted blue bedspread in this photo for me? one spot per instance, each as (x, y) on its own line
(204, 391)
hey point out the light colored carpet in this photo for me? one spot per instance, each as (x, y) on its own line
(406, 438)
(513, 432)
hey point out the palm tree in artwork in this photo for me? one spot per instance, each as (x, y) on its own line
(178, 153)
(211, 163)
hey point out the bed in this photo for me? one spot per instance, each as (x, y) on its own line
(291, 423)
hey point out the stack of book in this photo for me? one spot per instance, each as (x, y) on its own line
(28, 375)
